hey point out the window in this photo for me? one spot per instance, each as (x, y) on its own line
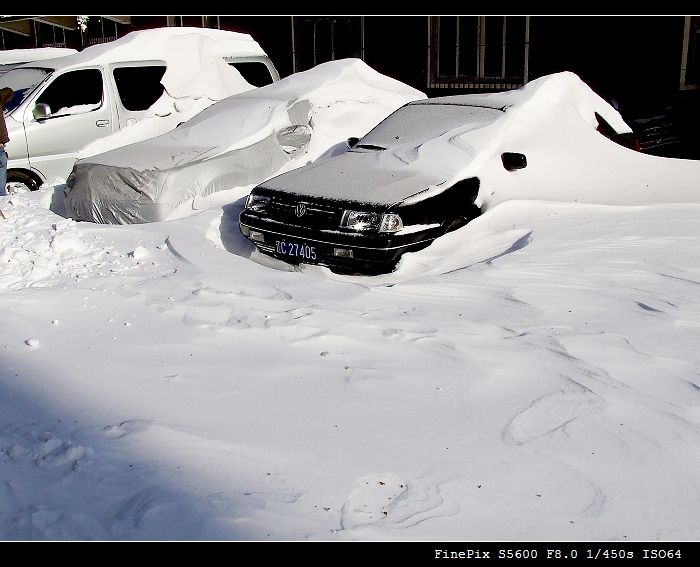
(255, 72)
(211, 22)
(22, 81)
(479, 52)
(139, 87)
(319, 39)
(100, 30)
(690, 60)
(74, 92)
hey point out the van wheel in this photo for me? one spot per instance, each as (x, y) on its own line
(20, 182)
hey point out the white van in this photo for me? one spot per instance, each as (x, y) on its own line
(61, 105)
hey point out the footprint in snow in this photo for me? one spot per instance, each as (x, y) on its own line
(546, 415)
(126, 428)
(392, 500)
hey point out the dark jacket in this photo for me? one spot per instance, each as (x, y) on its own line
(5, 97)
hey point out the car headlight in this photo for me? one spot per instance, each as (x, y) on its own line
(364, 221)
(391, 222)
(256, 202)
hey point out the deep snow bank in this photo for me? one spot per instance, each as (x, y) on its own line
(552, 120)
(41, 249)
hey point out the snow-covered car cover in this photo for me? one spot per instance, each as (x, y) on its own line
(237, 142)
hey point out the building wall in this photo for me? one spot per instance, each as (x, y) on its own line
(397, 46)
(633, 59)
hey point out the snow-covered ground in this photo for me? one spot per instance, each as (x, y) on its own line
(535, 376)
(532, 376)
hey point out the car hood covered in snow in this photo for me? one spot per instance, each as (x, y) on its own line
(386, 166)
(234, 143)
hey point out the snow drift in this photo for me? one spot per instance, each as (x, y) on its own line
(538, 379)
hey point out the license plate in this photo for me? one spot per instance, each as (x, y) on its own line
(299, 250)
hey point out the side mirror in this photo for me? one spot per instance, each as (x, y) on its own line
(352, 142)
(293, 139)
(512, 161)
(41, 111)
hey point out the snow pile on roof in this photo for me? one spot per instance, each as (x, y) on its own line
(196, 75)
(209, 153)
(36, 54)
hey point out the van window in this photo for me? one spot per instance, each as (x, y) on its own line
(255, 72)
(139, 87)
(74, 92)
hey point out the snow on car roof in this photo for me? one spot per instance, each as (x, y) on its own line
(156, 44)
(196, 74)
(194, 58)
(549, 89)
(35, 54)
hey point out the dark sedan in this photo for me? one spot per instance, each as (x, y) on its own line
(361, 210)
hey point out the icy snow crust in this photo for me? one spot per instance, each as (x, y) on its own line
(230, 146)
(532, 376)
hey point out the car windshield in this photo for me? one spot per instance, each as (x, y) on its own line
(5, 67)
(415, 124)
(23, 81)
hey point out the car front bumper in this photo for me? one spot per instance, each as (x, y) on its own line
(343, 252)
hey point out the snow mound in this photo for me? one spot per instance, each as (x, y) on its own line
(35, 248)
(41, 249)
(552, 120)
(391, 500)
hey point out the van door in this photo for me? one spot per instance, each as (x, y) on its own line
(79, 112)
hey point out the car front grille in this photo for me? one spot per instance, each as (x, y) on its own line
(304, 213)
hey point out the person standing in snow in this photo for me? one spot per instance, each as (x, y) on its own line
(6, 95)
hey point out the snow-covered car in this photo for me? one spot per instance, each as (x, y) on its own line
(234, 144)
(100, 96)
(426, 170)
